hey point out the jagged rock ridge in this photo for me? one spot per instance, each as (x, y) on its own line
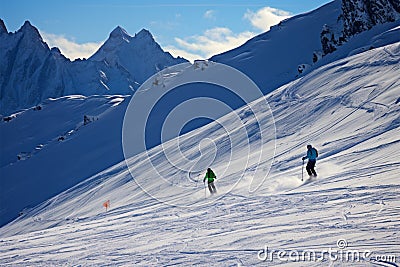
(31, 72)
(356, 17)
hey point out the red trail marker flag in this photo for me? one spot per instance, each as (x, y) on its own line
(106, 204)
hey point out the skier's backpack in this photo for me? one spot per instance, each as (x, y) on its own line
(316, 152)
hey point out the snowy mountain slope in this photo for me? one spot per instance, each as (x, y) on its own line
(295, 46)
(272, 58)
(49, 141)
(348, 109)
(30, 72)
(55, 134)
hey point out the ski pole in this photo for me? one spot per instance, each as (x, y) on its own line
(302, 170)
(205, 190)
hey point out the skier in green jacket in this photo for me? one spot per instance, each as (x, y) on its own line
(210, 176)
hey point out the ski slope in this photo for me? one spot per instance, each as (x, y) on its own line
(33, 135)
(56, 149)
(349, 110)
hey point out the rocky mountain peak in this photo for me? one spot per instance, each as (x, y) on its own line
(3, 28)
(119, 32)
(356, 17)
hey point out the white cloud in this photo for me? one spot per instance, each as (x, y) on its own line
(221, 39)
(212, 42)
(69, 48)
(209, 14)
(266, 17)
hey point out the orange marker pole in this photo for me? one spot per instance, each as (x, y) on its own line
(106, 204)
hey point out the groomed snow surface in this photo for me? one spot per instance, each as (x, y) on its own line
(349, 110)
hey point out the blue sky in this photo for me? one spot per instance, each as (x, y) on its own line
(192, 29)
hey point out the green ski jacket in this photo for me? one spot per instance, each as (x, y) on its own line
(210, 175)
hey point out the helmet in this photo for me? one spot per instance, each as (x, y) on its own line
(309, 146)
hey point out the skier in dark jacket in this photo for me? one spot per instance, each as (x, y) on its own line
(312, 155)
(210, 176)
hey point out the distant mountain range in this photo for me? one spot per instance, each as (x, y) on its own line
(31, 72)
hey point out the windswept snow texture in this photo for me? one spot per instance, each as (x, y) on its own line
(349, 110)
(76, 137)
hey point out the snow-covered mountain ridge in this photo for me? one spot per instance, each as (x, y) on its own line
(32, 72)
(348, 109)
(307, 41)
